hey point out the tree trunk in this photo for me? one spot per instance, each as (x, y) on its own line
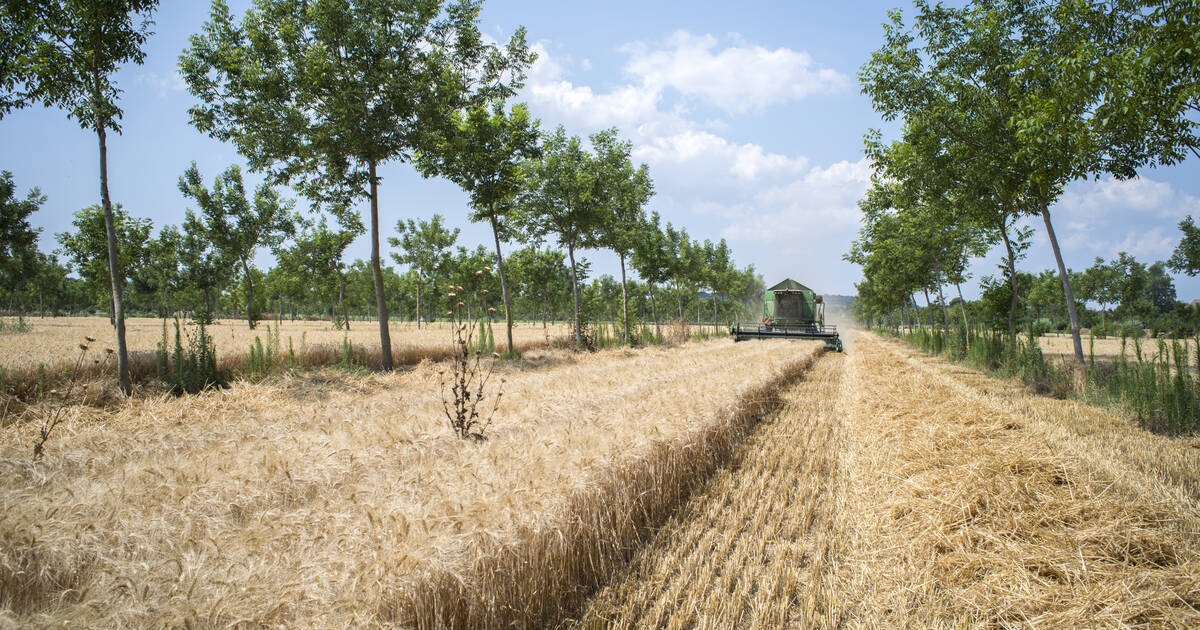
(385, 337)
(945, 311)
(1012, 279)
(679, 298)
(654, 313)
(624, 304)
(342, 299)
(574, 291)
(929, 307)
(114, 272)
(249, 294)
(418, 302)
(508, 320)
(1066, 282)
(962, 307)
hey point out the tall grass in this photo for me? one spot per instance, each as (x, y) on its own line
(1158, 387)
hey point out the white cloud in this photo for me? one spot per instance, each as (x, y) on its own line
(737, 79)
(706, 181)
(1110, 197)
(162, 84)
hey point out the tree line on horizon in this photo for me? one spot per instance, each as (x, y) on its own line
(1002, 104)
(317, 96)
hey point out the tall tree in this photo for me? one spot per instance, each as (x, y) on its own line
(626, 191)
(562, 200)
(236, 225)
(652, 259)
(64, 54)
(483, 154)
(426, 248)
(18, 239)
(323, 93)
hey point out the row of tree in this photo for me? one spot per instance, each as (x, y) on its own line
(319, 96)
(205, 266)
(1003, 104)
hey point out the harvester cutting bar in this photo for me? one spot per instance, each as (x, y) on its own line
(828, 333)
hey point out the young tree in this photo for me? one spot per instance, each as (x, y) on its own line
(86, 248)
(318, 256)
(652, 259)
(562, 199)
(323, 94)
(236, 226)
(483, 154)
(64, 54)
(627, 191)
(1186, 257)
(426, 249)
(18, 239)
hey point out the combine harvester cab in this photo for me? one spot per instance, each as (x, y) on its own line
(790, 311)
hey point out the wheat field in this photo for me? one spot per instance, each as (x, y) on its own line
(333, 500)
(52, 345)
(895, 490)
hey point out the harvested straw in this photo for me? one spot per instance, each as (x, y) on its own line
(957, 514)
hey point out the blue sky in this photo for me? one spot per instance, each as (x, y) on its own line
(748, 114)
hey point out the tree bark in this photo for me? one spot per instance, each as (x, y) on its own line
(342, 299)
(249, 294)
(929, 307)
(962, 307)
(385, 337)
(114, 272)
(624, 304)
(679, 298)
(654, 313)
(945, 311)
(574, 291)
(1066, 282)
(1012, 280)
(508, 320)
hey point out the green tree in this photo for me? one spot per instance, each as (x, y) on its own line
(562, 199)
(651, 258)
(323, 93)
(64, 54)
(483, 154)
(627, 191)
(1186, 257)
(237, 226)
(87, 245)
(317, 256)
(18, 239)
(426, 249)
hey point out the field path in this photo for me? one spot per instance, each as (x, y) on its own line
(896, 491)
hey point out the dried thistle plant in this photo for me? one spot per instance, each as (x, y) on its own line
(463, 396)
(58, 414)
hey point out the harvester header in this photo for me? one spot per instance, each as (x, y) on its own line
(790, 311)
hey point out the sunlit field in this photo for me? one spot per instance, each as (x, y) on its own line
(330, 499)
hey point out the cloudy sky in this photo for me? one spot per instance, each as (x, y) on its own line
(748, 114)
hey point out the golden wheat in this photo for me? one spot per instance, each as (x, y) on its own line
(736, 555)
(328, 499)
(51, 343)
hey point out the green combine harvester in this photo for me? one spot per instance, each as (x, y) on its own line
(790, 311)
